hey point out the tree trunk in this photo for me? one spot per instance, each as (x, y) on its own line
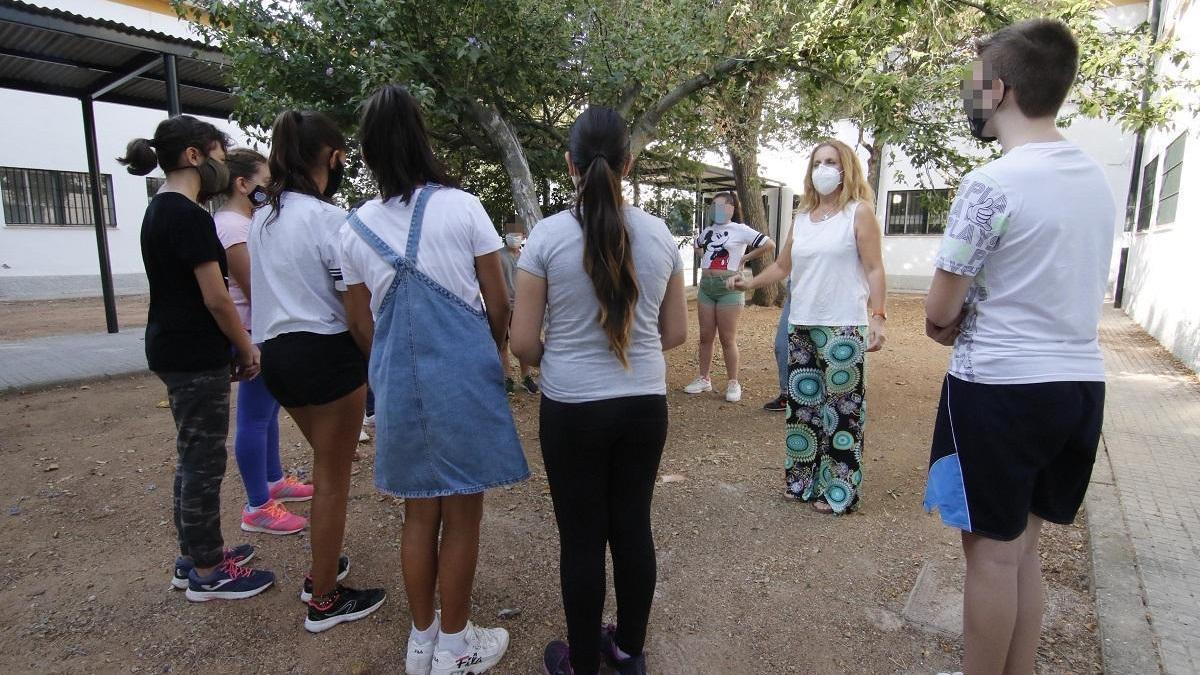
(512, 156)
(874, 165)
(744, 163)
(741, 142)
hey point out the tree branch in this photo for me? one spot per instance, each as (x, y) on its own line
(647, 123)
(986, 8)
(628, 96)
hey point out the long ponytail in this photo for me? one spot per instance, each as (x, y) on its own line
(599, 146)
(297, 140)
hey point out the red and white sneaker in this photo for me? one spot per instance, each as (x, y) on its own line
(291, 490)
(272, 518)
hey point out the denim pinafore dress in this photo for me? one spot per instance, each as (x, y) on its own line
(442, 421)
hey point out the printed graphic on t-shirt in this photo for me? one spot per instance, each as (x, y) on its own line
(977, 221)
(724, 245)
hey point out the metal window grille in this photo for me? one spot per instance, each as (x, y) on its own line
(913, 212)
(1146, 203)
(53, 198)
(1168, 192)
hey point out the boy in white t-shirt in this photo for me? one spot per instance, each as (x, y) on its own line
(1018, 288)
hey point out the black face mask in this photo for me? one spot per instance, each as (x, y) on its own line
(335, 180)
(977, 120)
(214, 177)
(258, 196)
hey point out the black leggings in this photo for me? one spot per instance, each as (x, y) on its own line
(601, 460)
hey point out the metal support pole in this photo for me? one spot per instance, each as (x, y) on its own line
(93, 160)
(172, 78)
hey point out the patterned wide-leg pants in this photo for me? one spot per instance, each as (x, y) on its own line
(826, 414)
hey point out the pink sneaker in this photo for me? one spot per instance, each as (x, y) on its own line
(273, 518)
(291, 490)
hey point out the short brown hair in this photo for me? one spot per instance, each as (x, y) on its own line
(1038, 58)
(731, 198)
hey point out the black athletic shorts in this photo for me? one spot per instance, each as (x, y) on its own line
(1004, 451)
(302, 369)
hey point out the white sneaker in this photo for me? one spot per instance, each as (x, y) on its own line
(420, 654)
(485, 648)
(368, 421)
(363, 436)
(698, 386)
(733, 391)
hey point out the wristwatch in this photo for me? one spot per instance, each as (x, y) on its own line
(879, 313)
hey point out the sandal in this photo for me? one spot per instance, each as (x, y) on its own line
(822, 506)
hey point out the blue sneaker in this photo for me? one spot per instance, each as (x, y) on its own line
(240, 555)
(634, 665)
(228, 582)
(556, 660)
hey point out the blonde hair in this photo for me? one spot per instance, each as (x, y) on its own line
(854, 183)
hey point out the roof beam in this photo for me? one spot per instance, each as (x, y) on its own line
(133, 69)
(55, 60)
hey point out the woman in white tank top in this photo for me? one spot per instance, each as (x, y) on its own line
(834, 261)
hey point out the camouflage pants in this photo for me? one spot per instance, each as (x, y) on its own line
(200, 405)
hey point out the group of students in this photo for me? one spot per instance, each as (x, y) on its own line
(415, 292)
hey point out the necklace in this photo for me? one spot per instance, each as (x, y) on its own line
(813, 216)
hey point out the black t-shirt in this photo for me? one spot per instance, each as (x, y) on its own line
(181, 334)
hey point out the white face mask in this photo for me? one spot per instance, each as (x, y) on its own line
(514, 240)
(826, 179)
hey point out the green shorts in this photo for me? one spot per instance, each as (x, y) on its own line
(712, 291)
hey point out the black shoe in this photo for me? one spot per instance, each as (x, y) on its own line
(240, 555)
(556, 659)
(342, 605)
(529, 385)
(776, 404)
(634, 665)
(509, 387)
(343, 570)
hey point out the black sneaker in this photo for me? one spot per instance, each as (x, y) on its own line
(240, 555)
(509, 387)
(556, 659)
(529, 385)
(343, 570)
(344, 604)
(228, 582)
(776, 404)
(634, 665)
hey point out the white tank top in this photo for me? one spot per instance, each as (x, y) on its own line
(829, 285)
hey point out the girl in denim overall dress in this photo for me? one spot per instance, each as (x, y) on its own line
(415, 262)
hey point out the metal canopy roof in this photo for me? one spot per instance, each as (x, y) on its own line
(52, 51)
(660, 171)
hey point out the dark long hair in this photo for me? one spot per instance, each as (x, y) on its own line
(297, 138)
(599, 146)
(395, 143)
(242, 163)
(172, 136)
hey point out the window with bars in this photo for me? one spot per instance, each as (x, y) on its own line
(1146, 202)
(40, 197)
(1172, 172)
(917, 211)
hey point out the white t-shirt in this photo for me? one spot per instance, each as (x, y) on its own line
(578, 365)
(455, 231)
(233, 229)
(725, 245)
(1035, 229)
(295, 269)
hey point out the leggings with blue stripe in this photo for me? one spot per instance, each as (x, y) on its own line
(257, 442)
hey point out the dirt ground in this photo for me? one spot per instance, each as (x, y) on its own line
(22, 320)
(747, 583)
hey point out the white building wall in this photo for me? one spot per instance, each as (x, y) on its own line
(46, 132)
(1162, 286)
